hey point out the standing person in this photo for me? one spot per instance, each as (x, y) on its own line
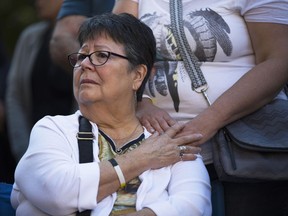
(131, 173)
(71, 16)
(35, 87)
(245, 68)
(7, 161)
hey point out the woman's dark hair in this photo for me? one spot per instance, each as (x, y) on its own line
(136, 37)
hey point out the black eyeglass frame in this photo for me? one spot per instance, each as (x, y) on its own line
(89, 56)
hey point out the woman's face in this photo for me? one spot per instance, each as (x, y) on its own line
(109, 83)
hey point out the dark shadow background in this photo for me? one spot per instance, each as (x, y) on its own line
(14, 16)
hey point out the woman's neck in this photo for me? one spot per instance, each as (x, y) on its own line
(122, 133)
(120, 126)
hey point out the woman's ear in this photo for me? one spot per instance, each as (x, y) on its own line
(140, 74)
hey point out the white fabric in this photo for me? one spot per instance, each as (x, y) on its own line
(50, 181)
(218, 30)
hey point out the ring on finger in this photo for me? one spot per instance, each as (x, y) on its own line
(182, 149)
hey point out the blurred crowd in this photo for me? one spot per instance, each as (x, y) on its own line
(29, 88)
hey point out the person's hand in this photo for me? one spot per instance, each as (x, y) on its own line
(206, 124)
(152, 117)
(160, 150)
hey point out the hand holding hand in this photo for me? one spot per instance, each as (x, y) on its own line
(164, 149)
(203, 124)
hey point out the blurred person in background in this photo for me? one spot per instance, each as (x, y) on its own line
(35, 86)
(7, 162)
(70, 17)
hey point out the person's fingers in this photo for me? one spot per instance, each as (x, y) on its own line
(188, 157)
(163, 124)
(188, 139)
(170, 121)
(174, 129)
(188, 152)
(160, 124)
(156, 125)
(155, 134)
(148, 126)
(189, 149)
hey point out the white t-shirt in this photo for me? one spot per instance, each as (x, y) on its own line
(217, 34)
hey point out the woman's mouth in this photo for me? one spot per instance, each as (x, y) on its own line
(87, 81)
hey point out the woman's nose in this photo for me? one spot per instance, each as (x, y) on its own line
(86, 62)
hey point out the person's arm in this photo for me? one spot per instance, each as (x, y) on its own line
(256, 88)
(155, 152)
(184, 190)
(49, 167)
(71, 15)
(188, 191)
(64, 40)
(126, 6)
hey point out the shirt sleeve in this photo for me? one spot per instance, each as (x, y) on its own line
(186, 192)
(86, 8)
(264, 10)
(49, 174)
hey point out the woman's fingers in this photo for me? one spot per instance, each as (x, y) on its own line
(174, 129)
(188, 152)
(163, 149)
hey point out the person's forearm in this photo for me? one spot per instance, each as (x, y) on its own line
(64, 40)
(256, 88)
(131, 168)
(122, 6)
(263, 82)
(251, 92)
(155, 152)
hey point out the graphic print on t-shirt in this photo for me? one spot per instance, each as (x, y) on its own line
(205, 29)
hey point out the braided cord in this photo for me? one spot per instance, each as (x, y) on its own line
(189, 58)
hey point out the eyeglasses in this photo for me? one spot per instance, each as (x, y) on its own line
(97, 58)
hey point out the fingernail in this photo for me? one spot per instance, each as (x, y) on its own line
(199, 135)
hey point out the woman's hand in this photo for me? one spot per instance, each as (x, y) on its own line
(152, 117)
(155, 119)
(204, 123)
(160, 150)
(157, 151)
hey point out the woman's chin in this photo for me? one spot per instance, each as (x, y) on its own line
(86, 98)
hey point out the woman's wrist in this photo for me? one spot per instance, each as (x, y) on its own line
(130, 167)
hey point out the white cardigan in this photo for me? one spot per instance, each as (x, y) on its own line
(50, 181)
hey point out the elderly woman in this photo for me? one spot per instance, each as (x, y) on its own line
(129, 172)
